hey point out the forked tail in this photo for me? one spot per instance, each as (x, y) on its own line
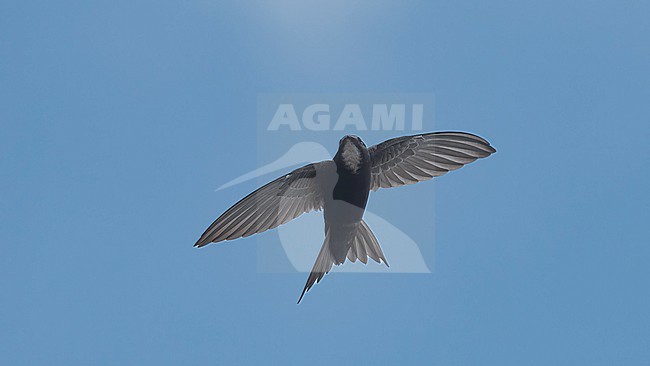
(359, 243)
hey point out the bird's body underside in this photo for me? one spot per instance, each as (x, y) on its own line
(340, 187)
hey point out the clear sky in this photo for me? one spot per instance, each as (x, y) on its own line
(120, 118)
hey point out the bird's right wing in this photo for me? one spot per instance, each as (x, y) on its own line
(274, 204)
(411, 159)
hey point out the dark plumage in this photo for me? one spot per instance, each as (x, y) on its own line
(340, 187)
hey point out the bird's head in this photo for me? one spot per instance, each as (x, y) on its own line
(351, 139)
(351, 152)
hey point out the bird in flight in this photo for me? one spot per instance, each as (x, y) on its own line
(340, 187)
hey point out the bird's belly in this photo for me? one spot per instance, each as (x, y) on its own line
(342, 213)
(348, 200)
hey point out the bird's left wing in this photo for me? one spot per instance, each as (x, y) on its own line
(274, 204)
(411, 159)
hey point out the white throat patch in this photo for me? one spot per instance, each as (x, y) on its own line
(351, 157)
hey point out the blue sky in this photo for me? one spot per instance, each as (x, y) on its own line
(119, 119)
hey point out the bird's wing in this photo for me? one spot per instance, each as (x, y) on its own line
(411, 159)
(274, 204)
